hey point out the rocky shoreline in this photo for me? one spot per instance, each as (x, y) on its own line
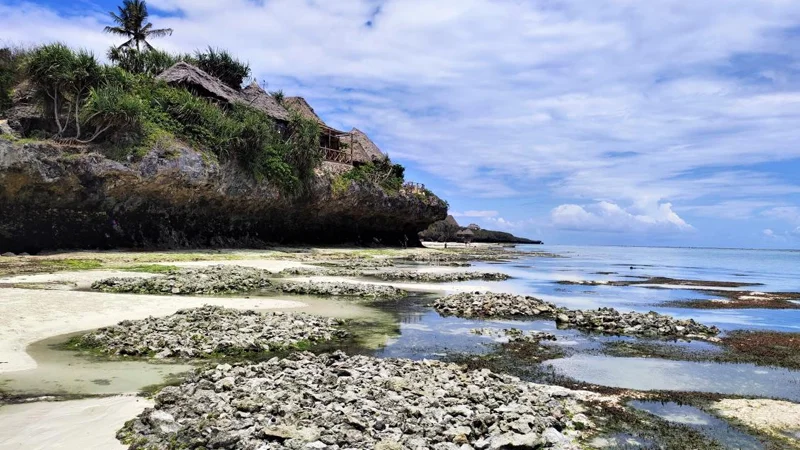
(224, 279)
(210, 331)
(210, 280)
(338, 401)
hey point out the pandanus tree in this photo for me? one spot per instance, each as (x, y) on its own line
(131, 22)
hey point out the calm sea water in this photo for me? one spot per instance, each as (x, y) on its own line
(778, 271)
(425, 334)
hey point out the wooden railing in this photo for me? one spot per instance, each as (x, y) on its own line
(338, 156)
(411, 186)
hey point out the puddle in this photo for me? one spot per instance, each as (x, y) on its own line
(659, 374)
(710, 426)
(67, 372)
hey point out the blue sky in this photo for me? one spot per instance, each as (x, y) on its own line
(664, 122)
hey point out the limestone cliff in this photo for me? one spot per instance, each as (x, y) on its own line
(54, 197)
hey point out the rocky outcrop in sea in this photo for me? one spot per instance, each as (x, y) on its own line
(340, 289)
(439, 277)
(210, 331)
(489, 304)
(211, 280)
(651, 324)
(603, 320)
(337, 401)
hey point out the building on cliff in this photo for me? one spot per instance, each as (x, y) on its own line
(350, 148)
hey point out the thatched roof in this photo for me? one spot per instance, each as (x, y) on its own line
(466, 232)
(300, 105)
(364, 150)
(258, 98)
(187, 75)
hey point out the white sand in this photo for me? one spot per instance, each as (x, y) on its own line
(89, 424)
(27, 315)
(773, 416)
(71, 280)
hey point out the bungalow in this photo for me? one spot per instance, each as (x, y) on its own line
(351, 148)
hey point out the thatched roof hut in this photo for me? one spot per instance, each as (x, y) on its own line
(466, 235)
(191, 77)
(195, 79)
(364, 150)
(300, 105)
(259, 98)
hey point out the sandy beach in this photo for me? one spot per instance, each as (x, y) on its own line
(88, 424)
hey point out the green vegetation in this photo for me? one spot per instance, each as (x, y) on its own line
(11, 61)
(150, 268)
(222, 65)
(90, 102)
(72, 264)
(127, 112)
(383, 173)
(151, 62)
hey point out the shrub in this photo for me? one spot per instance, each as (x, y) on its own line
(64, 79)
(222, 65)
(147, 62)
(383, 173)
(112, 107)
(11, 64)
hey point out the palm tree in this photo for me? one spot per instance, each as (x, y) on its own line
(132, 23)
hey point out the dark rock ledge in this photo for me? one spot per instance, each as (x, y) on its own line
(54, 197)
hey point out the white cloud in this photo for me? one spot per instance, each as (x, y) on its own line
(475, 214)
(789, 214)
(730, 209)
(609, 217)
(768, 233)
(615, 100)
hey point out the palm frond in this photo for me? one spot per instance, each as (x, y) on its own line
(117, 30)
(163, 32)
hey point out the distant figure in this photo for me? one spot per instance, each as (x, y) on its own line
(631, 267)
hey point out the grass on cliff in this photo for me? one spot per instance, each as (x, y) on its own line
(131, 113)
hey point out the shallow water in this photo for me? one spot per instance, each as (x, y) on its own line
(412, 330)
(698, 419)
(777, 270)
(659, 374)
(61, 372)
(68, 372)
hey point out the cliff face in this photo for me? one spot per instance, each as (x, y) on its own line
(58, 198)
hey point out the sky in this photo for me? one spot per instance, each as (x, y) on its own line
(622, 122)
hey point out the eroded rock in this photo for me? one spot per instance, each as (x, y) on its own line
(336, 401)
(211, 330)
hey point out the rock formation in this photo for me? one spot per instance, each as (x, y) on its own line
(54, 196)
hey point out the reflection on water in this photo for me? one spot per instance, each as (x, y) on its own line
(707, 424)
(658, 374)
